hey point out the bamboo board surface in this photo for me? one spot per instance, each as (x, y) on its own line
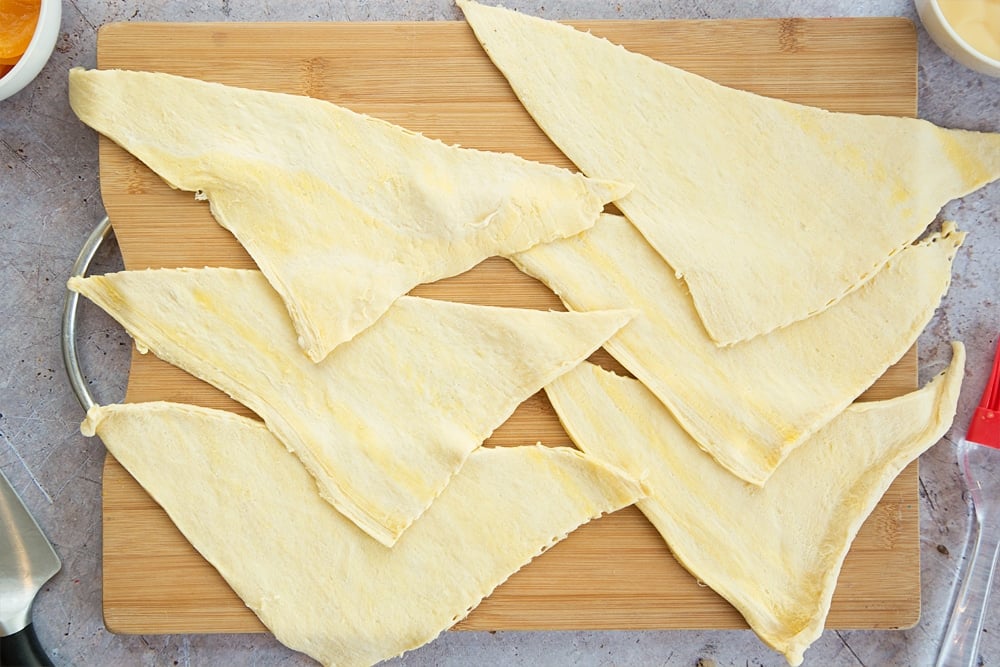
(433, 77)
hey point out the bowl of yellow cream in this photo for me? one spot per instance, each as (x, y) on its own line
(967, 30)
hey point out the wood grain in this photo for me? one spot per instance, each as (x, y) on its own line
(433, 77)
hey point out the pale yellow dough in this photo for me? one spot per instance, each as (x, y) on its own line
(775, 553)
(748, 405)
(770, 211)
(386, 419)
(342, 212)
(316, 581)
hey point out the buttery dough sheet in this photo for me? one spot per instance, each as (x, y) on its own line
(751, 404)
(775, 553)
(317, 582)
(386, 419)
(342, 212)
(770, 211)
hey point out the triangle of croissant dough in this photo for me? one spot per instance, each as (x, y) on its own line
(342, 212)
(774, 553)
(386, 419)
(315, 580)
(751, 404)
(736, 191)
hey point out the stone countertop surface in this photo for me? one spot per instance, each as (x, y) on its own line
(50, 200)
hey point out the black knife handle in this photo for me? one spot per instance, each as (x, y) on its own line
(22, 649)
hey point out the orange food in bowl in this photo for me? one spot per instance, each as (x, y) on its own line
(17, 25)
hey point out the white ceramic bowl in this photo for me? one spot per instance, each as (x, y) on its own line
(43, 42)
(951, 42)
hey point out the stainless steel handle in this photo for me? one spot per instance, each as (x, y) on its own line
(70, 358)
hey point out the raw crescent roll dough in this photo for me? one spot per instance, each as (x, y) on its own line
(342, 212)
(751, 404)
(770, 211)
(775, 553)
(386, 419)
(316, 581)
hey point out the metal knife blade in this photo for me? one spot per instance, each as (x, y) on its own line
(27, 561)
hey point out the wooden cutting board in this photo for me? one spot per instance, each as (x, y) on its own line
(433, 77)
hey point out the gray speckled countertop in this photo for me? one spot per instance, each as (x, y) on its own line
(50, 200)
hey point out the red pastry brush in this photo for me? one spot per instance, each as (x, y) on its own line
(979, 458)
